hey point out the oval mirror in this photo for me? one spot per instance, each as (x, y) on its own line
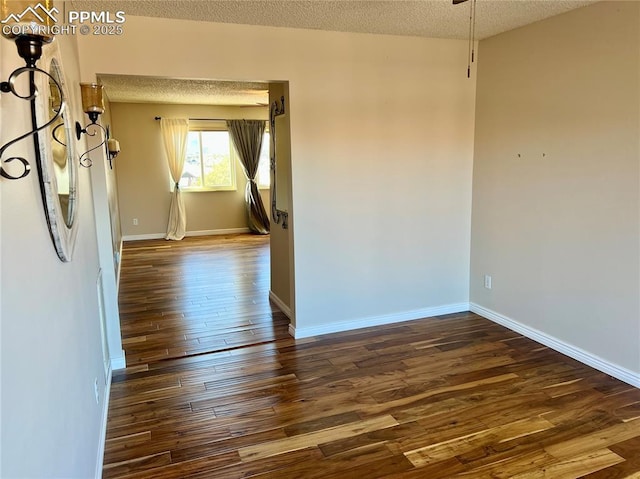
(55, 154)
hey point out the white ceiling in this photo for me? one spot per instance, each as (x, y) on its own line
(424, 18)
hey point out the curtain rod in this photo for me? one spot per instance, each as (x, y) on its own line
(200, 119)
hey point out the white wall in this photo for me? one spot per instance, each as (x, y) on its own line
(382, 143)
(559, 233)
(50, 333)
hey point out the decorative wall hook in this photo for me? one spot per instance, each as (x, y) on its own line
(277, 215)
(276, 110)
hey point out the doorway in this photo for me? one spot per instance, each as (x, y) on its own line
(141, 184)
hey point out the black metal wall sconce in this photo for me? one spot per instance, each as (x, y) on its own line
(113, 147)
(30, 49)
(93, 106)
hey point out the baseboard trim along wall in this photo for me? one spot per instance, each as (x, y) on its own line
(280, 304)
(119, 362)
(103, 427)
(228, 231)
(339, 327)
(578, 354)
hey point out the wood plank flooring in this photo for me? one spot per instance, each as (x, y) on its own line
(198, 295)
(455, 396)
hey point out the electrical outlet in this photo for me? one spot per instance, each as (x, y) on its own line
(135, 221)
(95, 390)
(487, 281)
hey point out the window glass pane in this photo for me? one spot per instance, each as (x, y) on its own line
(264, 174)
(191, 173)
(216, 158)
(209, 161)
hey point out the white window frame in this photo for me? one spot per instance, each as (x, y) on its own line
(232, 160)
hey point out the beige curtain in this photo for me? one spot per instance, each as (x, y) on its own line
(174, 136)
(247, 139)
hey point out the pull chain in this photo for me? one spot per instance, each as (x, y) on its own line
(470, 49)
(472, 36)
(473, 33)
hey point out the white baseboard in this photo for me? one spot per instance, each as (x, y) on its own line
(143, 237)
(574, 352)
(280, 304)
(228, 231)
(377, 320)
(103, 427)
(119, 362)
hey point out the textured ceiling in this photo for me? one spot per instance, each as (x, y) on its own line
(425, 18)
(140, 89)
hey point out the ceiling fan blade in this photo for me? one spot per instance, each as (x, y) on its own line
(456, 2)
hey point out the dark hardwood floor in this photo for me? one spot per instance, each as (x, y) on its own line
(455, 396)
(198, 295)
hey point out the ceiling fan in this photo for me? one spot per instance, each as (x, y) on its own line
(472, 32)
(261, 95)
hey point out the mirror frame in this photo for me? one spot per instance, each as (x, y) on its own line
(63, 231)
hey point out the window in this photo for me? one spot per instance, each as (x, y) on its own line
(264, 166)
(210, 162)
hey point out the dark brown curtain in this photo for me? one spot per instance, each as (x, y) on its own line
(247, 139)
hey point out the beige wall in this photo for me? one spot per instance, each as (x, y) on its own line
(556, 207)
(51, 349)
(282, 270)
(381, 147)
(144, 180)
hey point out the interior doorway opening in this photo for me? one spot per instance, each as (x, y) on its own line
(174, 317)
